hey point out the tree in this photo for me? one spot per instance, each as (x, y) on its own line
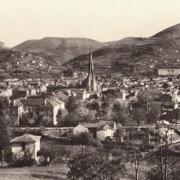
(76, 111)
(73, 119)
(135, 150)
(82, 139)
(163, 156)
(91, 116)
(68, 71)
(154, 112)
(4, 101)
(154, 174)
(72, 104)
(136, 158)
(88, 166)
(28, 118)
(44, 118)
(139, 116)
(4, 135)
(61, 116)
(119, 113)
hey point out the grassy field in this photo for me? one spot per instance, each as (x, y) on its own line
(61, 153)
(55, 172)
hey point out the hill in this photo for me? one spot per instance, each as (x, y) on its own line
(171, 32)
(18, 64)
(58, 50)
(135, 55)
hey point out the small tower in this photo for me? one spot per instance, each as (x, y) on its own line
(91, 84)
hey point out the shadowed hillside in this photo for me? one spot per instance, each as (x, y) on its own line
(136, 55)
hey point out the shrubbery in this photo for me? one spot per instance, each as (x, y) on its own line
(82, 139)
(23, 162)
(88, 166)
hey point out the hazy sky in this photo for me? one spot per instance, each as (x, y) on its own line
(103, 20)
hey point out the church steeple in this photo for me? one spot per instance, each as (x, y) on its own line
(91, 79)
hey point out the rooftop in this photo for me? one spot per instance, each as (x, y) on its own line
(26, 138)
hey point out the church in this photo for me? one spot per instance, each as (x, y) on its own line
(90, 84)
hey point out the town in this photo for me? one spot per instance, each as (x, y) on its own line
(114, 114)
(90, 90)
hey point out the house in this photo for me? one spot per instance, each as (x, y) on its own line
(5, 91)
(106, 131)
(79, 129)
(25, 145)
(47, 108)
(92, 128)
(168, 71)
(31, 104)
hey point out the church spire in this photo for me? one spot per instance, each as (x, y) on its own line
(91, 79)
(91, 65)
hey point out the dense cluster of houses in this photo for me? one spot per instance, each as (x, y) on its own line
(44, 98)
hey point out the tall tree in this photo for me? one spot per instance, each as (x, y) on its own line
(4, 135)
(76, 110)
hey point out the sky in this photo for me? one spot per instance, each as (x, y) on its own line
(102, 20)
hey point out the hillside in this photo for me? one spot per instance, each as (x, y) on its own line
(17, 64)
(135, 55)
(58, 50)
(171, 32)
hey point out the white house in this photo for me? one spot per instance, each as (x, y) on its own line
(168, 71)
(25, 145)
(79, 129)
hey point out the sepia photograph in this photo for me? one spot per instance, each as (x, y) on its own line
(89, 90)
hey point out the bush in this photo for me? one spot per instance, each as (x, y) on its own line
(154, 174)
(8, 156)
(23, 162)
(108, 144)
(87, 166)
(82, 139)
(46, 157)
(97, 143)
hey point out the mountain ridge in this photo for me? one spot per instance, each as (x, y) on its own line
(129, 56)
(136, 55)
(61, 49)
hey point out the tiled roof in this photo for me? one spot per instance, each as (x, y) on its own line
(33, 102)
(20, 89)
(26, 138)
(91, 125)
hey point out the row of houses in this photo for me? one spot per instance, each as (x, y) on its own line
(23, 111)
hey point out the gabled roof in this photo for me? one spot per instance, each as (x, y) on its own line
(20, 88)
(107, 126)
(26, 138)
(80, 127)
(33, 102)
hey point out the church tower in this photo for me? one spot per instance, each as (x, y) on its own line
(91, 83)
